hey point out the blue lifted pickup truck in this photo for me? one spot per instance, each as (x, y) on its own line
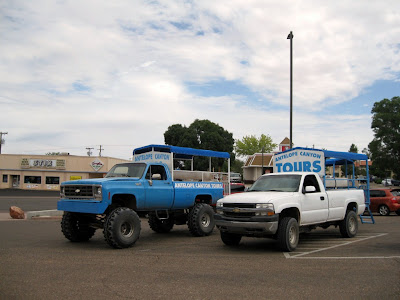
(147, 186)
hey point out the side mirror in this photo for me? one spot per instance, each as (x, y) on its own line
(310, 189)
(156, 177)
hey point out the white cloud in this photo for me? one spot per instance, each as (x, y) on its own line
(116, 73)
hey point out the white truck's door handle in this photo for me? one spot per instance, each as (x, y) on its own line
(322, 198)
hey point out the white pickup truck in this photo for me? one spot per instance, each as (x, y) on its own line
(282, 205)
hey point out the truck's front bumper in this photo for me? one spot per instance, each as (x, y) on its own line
(254, 226)
(82, 206)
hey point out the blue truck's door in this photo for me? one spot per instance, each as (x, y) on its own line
(159, 190)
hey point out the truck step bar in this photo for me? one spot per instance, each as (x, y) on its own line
(162, 216)
(367, 216)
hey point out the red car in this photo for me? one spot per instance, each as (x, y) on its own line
(384, 201)
(237, 188)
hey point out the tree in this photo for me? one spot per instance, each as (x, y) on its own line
(353, 149)
(201, 134)
(250, 144)
(385, 147)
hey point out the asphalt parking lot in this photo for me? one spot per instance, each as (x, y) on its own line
(37, 262)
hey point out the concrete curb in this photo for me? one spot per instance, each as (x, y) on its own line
(43, 214)
(34, 215)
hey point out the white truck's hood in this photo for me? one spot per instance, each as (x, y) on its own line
(256, 197)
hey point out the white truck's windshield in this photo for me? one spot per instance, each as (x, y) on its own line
(127, 170)
(276, 183)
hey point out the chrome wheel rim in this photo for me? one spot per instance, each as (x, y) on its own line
(127, 229)
(383, 210)
(352, 225)
(205, 220)
(292, 235)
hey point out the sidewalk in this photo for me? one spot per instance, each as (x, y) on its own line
(34, 215)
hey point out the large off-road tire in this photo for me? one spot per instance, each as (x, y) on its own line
(75, 227)
(201, 220)
(122, 228)
(288, 234)
(349, 226)
(161, 226)
(230, 239)
(384, 210)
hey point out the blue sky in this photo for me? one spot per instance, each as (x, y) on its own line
(118, 73)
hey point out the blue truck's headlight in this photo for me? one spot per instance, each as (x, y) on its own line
(97, 192)
(62, 191)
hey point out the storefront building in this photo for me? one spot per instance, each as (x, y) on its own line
(261, 163)
(47, 172)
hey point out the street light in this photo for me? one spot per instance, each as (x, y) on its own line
(290, 37)
(262, 161)
(2, 141)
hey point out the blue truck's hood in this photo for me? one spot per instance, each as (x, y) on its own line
(99, 180)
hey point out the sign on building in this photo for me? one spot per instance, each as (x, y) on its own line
(96, 164)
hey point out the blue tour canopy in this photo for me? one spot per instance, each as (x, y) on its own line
(181, 152)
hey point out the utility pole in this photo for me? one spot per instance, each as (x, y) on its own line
(290, 37)
(100, 150)
(89, 152)
(1, 139)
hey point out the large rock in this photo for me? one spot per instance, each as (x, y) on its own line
(16, 213)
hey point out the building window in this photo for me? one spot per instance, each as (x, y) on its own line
(5, 178)
(52, 180)
(33, 179)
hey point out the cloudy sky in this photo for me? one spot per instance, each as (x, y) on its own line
(79, 74)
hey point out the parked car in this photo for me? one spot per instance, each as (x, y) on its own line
(362, 179)
(236, 177)
(237, 187)
(395, 182)
(387, 182)
(384, 201)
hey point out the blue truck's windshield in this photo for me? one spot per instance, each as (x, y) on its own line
(280, 183)
(127, 170)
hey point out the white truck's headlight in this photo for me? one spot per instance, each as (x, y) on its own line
(219, 207)
(266, 209)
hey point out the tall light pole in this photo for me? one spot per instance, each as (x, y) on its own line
(262, 161)
(290, 37)
(1, 139)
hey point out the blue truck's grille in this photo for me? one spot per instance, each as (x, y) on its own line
(78, 191)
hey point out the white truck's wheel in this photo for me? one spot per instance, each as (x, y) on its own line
(230, 239)
(288, 234)
(349, 226)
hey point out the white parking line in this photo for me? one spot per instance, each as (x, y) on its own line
(300, 254)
